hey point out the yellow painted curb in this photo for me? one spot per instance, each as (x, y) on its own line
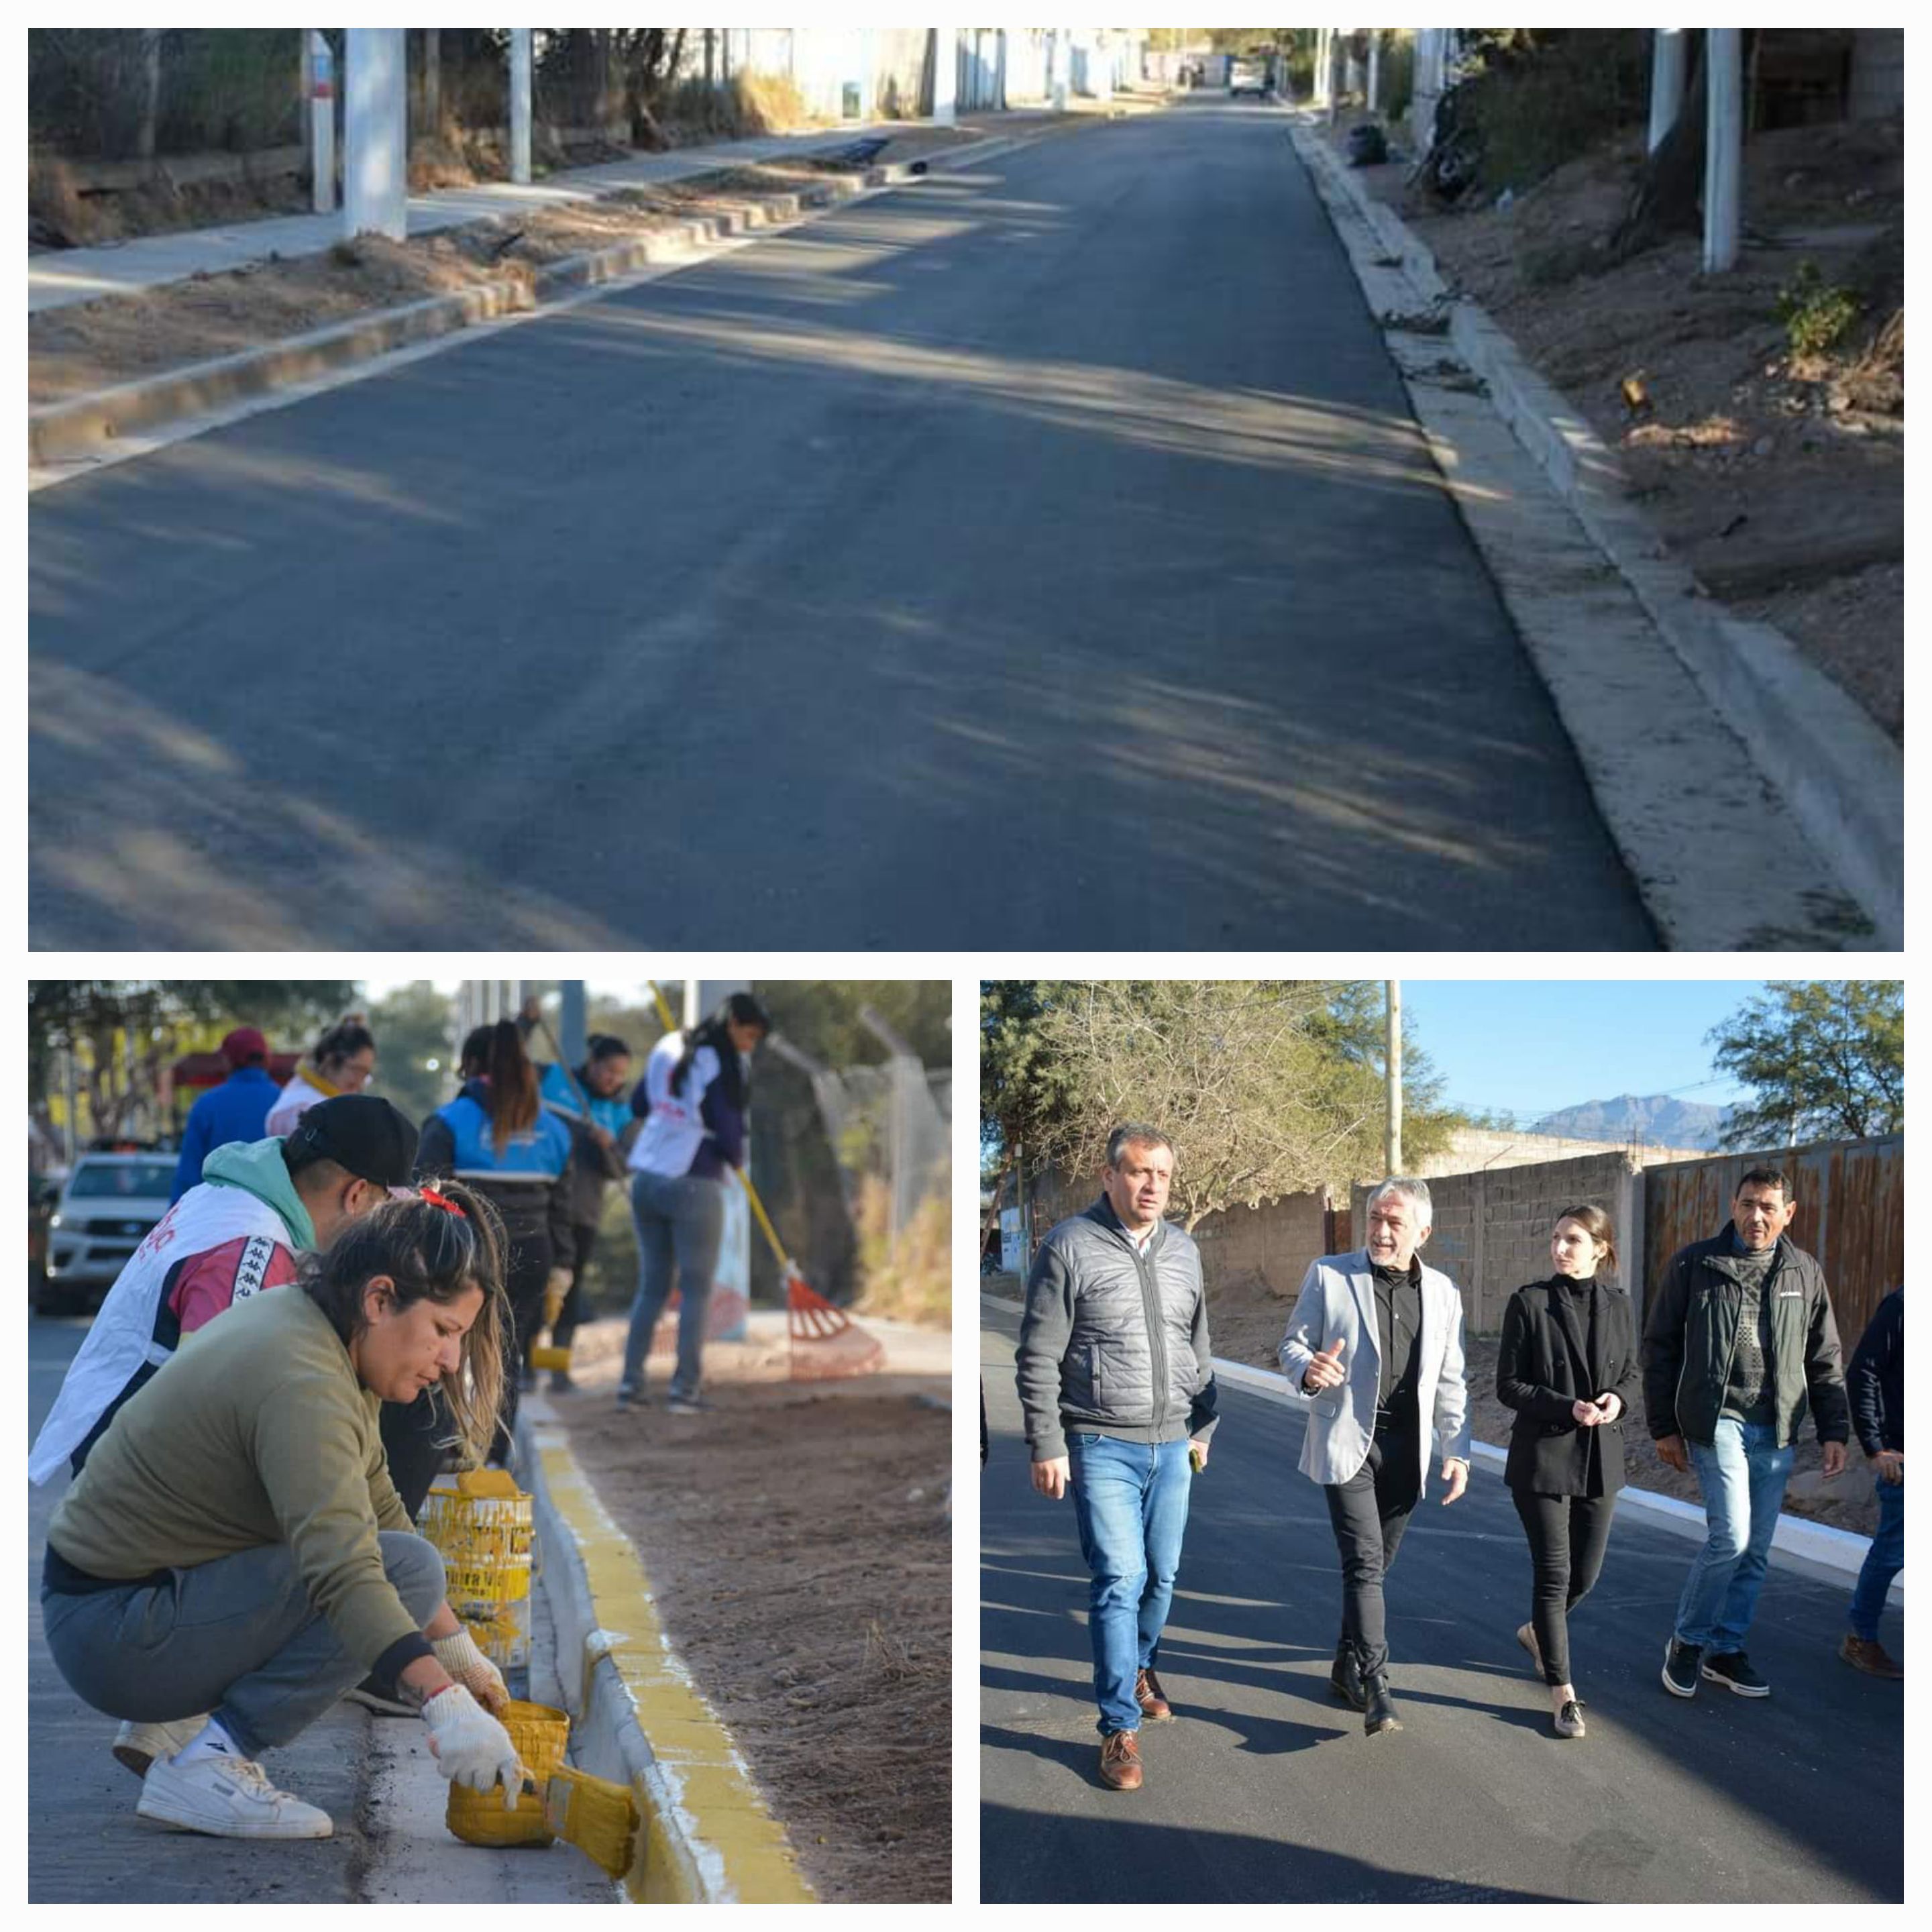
(706, 1830)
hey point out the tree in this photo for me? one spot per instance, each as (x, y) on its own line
(124, 1033)
(1825, 1059)
(414, 1027)
(1267, 1087)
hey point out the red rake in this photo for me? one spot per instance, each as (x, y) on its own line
(825, 1342)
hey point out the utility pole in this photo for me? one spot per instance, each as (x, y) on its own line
(318, 87)
(1392, 1058)
(945, 75)
(1724, 148)
(1667, 83)
(376, 132)
(520, 106)
(571, 1025)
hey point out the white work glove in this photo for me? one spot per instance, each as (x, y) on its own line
(470, 1746)
(460, 1656)
(556, 1288)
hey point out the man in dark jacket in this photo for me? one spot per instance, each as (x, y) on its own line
(1876, 1380)
(237, 1110)
(1739, 1341)
(1116, 1386)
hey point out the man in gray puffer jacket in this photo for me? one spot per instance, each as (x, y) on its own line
(1117, 1383)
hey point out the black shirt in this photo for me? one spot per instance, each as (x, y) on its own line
(1398, 1325)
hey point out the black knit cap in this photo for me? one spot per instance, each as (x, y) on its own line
(367, 1135)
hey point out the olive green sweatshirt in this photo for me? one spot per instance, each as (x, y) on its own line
(257, 1432)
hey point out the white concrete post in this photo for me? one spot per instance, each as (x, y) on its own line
(1338, 56)
(375, 175)
(1375, 69)
(1724, 148)
(1059, 63)
(520, 105)
(1321, 95)
(945, 75)
(319, 75)
(1667, 83)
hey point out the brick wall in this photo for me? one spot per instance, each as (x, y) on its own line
(1492, 1228)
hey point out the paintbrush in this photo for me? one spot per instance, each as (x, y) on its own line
(599, 1817)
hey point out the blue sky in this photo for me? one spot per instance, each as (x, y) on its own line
(1530, 1046)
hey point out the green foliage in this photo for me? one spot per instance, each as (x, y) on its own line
(1541, 97)
(414, 1027)
(1825, 1059)
(1267, 1087)
(821, 1017)
(1816, 314)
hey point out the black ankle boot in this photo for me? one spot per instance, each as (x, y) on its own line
(1345, 1679)
(1379, 1714)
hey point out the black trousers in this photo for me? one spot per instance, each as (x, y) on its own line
(1567, 1537)
(413, 1433)
(528, 1268)
(584, 1243)
(1369, 1512)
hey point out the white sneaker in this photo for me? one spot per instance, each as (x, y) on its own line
(138, 1745)
(227, 1798)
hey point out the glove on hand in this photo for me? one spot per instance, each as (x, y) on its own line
(470, 1746)
(467, 1663)
(557, 1287)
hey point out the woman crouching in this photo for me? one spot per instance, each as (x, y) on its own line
(235, 1547)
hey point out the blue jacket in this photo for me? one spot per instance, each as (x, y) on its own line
(592, 1167)
(528, 1181)
(723, 1146)
(1876, 1378)
(237, 1110)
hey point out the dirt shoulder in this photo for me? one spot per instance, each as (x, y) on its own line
(1778, 478)
(797, 1544)
(1247, 1322)
(77, 350)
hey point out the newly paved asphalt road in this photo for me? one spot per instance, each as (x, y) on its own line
(1265, 1789)
(1044, 556)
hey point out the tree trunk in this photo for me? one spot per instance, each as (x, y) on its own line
(432, 81)
(150, 93)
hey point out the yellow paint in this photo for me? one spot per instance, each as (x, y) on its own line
(721, 1808)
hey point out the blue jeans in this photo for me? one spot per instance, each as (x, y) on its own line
(680, 1221)
(1742, 1475)
(1130, 1501)
(1883, 1561)
(239, 1636)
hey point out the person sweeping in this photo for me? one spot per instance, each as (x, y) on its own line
(234, 1557)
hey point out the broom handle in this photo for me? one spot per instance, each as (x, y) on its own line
(764, 1220)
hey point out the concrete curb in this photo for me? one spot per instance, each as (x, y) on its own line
(1836, 1550)
(72, 430)
(707, 1837)
(1842, 778)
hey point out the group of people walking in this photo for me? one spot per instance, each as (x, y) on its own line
(237, 1549)
(1738, 1346)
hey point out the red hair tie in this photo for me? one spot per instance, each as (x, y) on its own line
(441, 1201)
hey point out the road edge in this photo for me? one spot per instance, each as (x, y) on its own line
(1841, 778)
(86, 427)
(636, 1716)
(1836, 1550)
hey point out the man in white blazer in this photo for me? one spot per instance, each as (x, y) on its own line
(1375, 1348)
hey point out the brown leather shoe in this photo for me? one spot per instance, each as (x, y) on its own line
(1152, 1698)
(1121, 1760)
(1871, 1657)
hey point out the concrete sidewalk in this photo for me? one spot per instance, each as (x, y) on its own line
(58, 279)
(374, 1776)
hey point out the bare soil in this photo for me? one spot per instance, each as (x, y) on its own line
(1246, 1320)
(798, 1546)
(88, 346)
(1778, 479)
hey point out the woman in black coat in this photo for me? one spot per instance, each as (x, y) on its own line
(1568, 1365)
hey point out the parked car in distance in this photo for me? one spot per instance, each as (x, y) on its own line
(104, 1212)
(1250, 73)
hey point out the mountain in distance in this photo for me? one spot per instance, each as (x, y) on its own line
(1659, 1120)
